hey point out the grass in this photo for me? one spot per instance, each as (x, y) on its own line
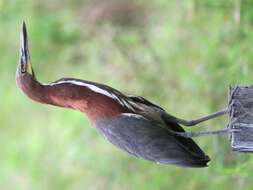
(183, 58)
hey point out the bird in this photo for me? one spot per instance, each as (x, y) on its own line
(131, 123)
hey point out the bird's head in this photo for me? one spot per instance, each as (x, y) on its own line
(24, 65)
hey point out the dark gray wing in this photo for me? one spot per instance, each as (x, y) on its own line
(142, 138)
(139, 99)
(169, 121)
(191, 145)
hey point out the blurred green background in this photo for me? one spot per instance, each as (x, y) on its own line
(182, 55)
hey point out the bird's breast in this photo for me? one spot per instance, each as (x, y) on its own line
(99, 108)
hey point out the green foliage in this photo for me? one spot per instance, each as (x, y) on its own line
(183, 56)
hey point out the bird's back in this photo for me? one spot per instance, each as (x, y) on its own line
(146, 139)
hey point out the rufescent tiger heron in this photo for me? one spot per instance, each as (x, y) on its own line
(131, 123)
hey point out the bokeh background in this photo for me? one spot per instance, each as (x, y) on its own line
(182, 55)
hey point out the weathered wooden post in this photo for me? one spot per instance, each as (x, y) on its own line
(240, 125)
(240, 108)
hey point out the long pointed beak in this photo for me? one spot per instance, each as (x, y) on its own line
(25, 64)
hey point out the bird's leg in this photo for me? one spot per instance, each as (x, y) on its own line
(188, 134)
(204, 133)
(199, 120)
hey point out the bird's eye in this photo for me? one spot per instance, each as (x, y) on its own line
(23, 68)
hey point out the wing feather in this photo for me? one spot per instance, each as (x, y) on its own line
(143, 138)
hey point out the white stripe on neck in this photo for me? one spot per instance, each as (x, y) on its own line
(99, 90)
(90, 86)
